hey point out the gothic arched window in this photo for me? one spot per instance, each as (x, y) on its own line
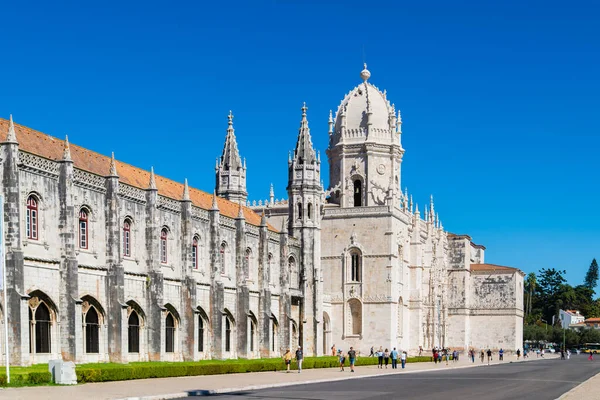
(133, 330)
(163, 245)
(83, 229)
(355, 316)
(92, 331)
(355, 260)
(127, 237)
(357, 193)
(299, 210)
(170, 333)
(227, 334)
(195, 252)
(40, 328)
(309, 210)
(32, 218)
(200, 333)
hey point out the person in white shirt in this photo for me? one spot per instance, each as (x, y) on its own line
(403, 359)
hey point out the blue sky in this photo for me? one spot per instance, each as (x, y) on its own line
(499, 99)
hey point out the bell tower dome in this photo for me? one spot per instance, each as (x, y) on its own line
(365, 150)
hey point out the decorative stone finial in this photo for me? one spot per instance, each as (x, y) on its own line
(113, 165)
(304, 108)
(215, 205)
(230, 118)
(263, 218)
(11, 137)
(152, 183)
(365, 74)
(186, 191)
(67, 150)
(240, 211)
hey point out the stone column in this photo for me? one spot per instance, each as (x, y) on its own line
(115, 277)
(70, 320)
(217, 302)
(243, 292)
(18, 320)
(188, 287)
(264, 303)
(154, 282)
(285, 300)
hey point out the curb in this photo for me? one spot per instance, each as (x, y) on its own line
(212, 392)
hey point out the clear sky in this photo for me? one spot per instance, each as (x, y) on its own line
(499, 100)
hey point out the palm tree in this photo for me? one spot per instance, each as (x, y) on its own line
(531, 284)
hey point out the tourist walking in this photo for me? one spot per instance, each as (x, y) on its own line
(380, 358)
(435, 356)
(591, 357)
(501, 355)
(420, 350)
(299, 358)
(403, 359)
(342, 359)
(386, 357)
(371, 354)
(352, 358)
(472, 355)
(489, 354)
(394, 355)
(287, 358)
(455, 356)
(519, 354)
(333, 352)
(482, 355)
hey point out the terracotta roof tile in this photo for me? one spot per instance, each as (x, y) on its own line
(491, 267)
(47, 146)
(594, 320)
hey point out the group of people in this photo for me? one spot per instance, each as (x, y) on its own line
(441, 354)
(384, 356)
(342, 357)
(288, 357)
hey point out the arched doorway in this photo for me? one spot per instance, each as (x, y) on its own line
(326, 334)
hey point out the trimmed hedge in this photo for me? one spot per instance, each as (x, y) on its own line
(119, 372)
(27, 378)
(39, 375)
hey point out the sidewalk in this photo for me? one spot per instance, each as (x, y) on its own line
(588, 390)
(168, 388)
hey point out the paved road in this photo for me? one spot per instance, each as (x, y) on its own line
(547, 379)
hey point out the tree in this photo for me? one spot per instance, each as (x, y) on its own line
(550, 284)
(591, 277)
(550, 281)
(530, 284)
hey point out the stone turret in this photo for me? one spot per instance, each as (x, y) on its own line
(305, 201)
(230, 172)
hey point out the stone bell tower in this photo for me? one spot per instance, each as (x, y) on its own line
(230, 172)
(305, 201)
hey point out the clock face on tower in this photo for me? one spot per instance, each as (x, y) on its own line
(381, 169)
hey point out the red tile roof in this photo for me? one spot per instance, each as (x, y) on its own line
(491, 267)
(47, 146)
(592, 320)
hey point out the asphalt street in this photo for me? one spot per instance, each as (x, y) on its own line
(544, 379)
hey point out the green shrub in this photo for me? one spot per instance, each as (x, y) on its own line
(27, 378)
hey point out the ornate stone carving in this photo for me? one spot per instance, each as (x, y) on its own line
(88, 180)
(167, 204)
(38, 164)
(132, 193)
(199, 213)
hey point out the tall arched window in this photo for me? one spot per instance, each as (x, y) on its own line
(195, 252)
(249, 265)
(294, 275)
(400, 317)
(357, 193)
(40, 328)
(223, 252)
(252, 334)
(227, 335)
(271, 271)
(92, 331)
(355, 266)
(299, 210)
(170, 333)
(83, 229)
(200, 333)
(309, 210)
(133, 331)
(127, 238)
(32, 218)
(163, 245)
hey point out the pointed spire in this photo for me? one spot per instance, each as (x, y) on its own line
(11, 137)
(67, 150)
(417, 213)
(215, 205)
(230, 158)
(330, 123)
(411, 204)
(399, 123)
(186, 191)
(271, 195)
(304, 153)
(152, 182)
(113, 165)
(431, 206)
